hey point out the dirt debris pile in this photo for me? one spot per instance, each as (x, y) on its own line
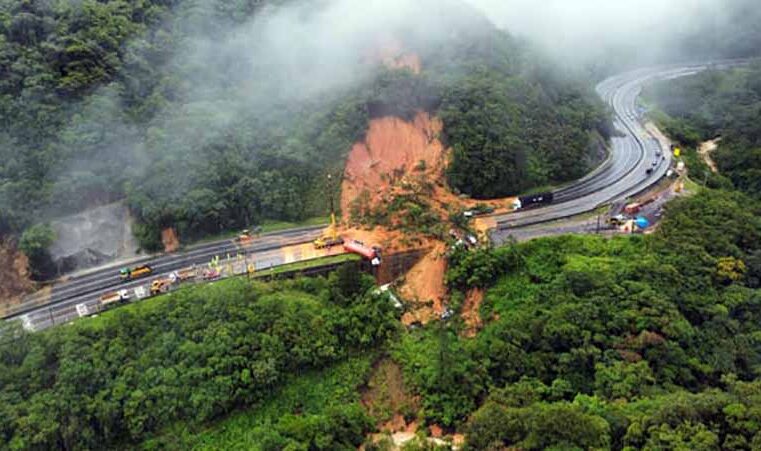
(471, 311)
(14, 276)
(390, 52)
(169, 240)
(393, 149)
(395, 195)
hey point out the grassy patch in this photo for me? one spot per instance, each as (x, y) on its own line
(540, 189)
(267, 226)
(691, 186)
(309, 393)
(275, 226)
(307, 264)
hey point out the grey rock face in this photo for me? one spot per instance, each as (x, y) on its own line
(93, 238)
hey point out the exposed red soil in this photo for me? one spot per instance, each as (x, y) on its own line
(14, 275)
(394, 150)
(424, 287)
(391, 53)
(392, 146)
(395, 155)
(169, 240)
(471, 311)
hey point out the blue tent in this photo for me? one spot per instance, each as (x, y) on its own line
(642, 223)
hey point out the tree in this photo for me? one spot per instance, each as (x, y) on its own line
(34, 243)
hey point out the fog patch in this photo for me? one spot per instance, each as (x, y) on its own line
(94, 237)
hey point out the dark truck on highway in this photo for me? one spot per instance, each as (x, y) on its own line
(533, 200)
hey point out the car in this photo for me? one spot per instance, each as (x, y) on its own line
(649, 171)
(211, 274)
(482, 209)
(655, 163)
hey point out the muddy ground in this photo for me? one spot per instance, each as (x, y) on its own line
(14, 275)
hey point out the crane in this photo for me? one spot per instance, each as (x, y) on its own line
(330, 236)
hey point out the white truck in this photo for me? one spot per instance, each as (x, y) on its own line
(109, 299)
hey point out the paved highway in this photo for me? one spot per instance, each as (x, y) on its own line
(621, 175)
(58, 304)
(624, 173)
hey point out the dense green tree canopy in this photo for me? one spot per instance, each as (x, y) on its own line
(192, 356)
(724, 104)
(606, 343)
(161, 104)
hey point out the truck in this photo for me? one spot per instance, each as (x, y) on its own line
(247, 236)
(371, 253)
(634, 208)
(159, 286)
(115, 297)
(137, 272)
(534, 200)
(187, 273)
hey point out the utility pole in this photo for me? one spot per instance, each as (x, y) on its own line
(598, 224)
(330, 192)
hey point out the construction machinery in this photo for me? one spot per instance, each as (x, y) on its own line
(137, 272)
(330, 236)
(188, 273)
(115, 297)
(618, 220)
(159, 286)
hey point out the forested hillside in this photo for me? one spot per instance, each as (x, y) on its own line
(193, 357)
(206, 116)
(593, 343)
(724, 104)
(646, 342)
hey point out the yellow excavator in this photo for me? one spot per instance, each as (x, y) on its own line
(330, 236)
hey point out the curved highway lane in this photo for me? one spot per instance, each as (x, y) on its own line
(632, 154)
